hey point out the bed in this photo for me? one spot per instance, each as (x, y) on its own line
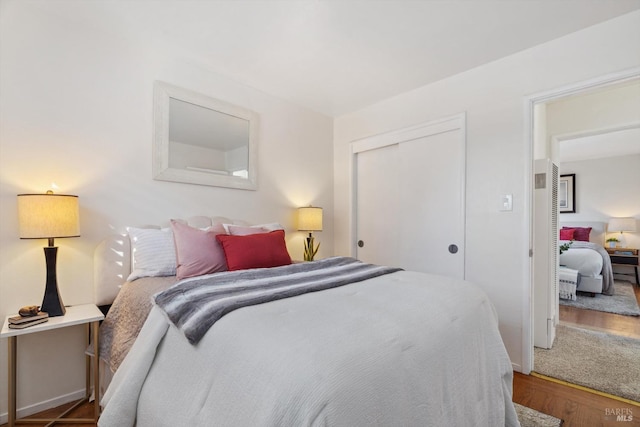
(329, 342)
(587, 256)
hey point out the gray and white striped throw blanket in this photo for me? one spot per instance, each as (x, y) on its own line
(194, 305)
(568, 280)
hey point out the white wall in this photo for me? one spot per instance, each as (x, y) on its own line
(498, 153)
(76, 109)
(601, 110)
(606, 188)
(598, 112)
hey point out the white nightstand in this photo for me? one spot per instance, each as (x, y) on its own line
(87, 314)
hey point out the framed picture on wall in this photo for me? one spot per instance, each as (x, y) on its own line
(567, 193)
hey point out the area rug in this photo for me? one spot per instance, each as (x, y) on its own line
(531, 418)
(597, 360)
(623, 301)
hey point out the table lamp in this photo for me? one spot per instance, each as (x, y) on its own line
(310, 219)
(49, 216)
(621, 225)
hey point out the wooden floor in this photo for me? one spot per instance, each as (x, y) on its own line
(577, 408)
(628, 326)
(82, 411)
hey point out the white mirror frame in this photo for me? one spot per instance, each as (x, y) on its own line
(163, 92)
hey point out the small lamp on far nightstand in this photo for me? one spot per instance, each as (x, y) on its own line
(49, 216)
(621, 225)
(310, 219)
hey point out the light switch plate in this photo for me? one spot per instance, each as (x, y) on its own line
(506, 202)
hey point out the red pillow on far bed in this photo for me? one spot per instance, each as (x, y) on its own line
(255, 250)
(580, 233)
(567, 234)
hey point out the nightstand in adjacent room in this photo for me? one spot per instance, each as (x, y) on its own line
(86, 314)
(625, 256)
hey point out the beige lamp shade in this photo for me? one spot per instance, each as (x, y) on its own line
(310, 219)
(621, 224)
(48, 216)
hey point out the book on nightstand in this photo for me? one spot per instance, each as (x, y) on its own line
(20, 322)
(27, 324)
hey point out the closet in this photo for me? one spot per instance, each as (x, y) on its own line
(409, 197)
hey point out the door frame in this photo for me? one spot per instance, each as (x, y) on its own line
(529, 104)
(430, 128)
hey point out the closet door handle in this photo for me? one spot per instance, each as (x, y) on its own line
(453, 248)
(360, 243)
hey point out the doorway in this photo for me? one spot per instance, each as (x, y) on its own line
(551, 150)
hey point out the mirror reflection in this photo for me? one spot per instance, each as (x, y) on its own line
(201, 140)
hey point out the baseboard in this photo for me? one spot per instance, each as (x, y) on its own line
(42, 406)
(516, 367)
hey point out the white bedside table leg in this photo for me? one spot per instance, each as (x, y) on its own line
(13, 344)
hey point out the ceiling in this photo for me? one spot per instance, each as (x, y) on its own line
(335, 56)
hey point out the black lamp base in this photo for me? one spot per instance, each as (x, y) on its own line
(52, 303)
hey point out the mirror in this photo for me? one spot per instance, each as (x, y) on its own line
(202, 140)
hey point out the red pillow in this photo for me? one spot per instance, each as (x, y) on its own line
(580, 233)
(255, 250)
(567, 234)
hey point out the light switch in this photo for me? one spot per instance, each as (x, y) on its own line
(506, 202)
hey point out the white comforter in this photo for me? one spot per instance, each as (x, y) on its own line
(587, 261)
(403, 349)
(591, 260)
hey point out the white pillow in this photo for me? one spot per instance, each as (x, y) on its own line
(269, 227)
(153, 251)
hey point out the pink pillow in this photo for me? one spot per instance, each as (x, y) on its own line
(255, 250)
(566, 234)
(580, 233)
(238, 230)
(197, 251)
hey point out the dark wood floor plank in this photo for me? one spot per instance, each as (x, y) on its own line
(83, 411)
(628, 326)
(575, 407)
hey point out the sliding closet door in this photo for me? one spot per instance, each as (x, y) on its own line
(378, 206)
(409, 203)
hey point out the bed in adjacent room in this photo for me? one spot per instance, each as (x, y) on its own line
(262, 341)
(585, 262)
